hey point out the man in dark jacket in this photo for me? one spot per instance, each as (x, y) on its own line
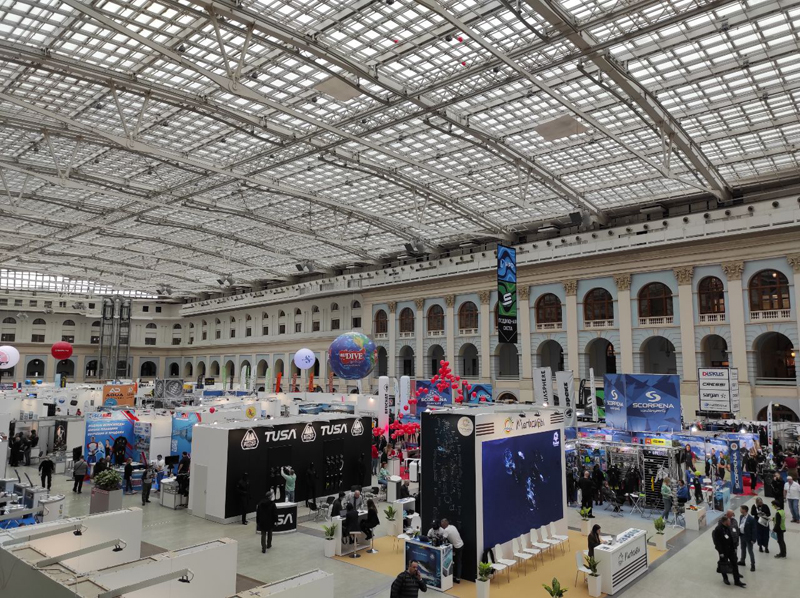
(266, 518)
(747, 536)
(409, 583)
(351, 523)
(46, 467)
(726, 549)
(587, 492)
(243, 495)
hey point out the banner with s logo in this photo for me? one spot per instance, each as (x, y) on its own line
(615, 401)
(654, 402)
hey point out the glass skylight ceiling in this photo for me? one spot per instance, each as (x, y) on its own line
(154, 143)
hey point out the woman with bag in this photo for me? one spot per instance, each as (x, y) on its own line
(762, 514)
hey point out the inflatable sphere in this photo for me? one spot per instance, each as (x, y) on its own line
(352, 356)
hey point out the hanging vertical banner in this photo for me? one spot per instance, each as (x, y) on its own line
(383, 403)
(769, 426)
(737, 468)
(506, 294)
(405, 389)
(615, 400)
(278, 382)
(592, 401)
(542, 380)
(565, 383)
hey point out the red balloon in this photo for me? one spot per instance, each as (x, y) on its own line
(474, 394)
(483, 399)
(412, 401)
(458, 378)
(436, 399)
(212, 410)
(61, 350)
(405, 407)
(400, 416)
(442, 362)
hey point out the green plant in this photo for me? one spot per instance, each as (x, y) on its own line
(390, 513)
(484, 571)
(591, 564)
(556, 591)
(415, 533)
(660, 524)
(330, 531)
(585, 512)
(108, 480)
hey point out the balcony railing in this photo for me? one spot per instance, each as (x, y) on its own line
(776, 381)
(599, 323)
(468, 331)
(770, 314)
(406, 335)
(435, 333)
(381, 335)
(712, 318)
(548, 326)
(657, 321)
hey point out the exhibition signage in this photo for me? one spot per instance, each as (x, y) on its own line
(506, 294)
(168, 389)
(592, 402)
(383, 403)
(120, 395)
(431, 396)
(108, 432)
(566, 391)
(142, 432)
(718, 389)
(737, 469)
(615, 402)
(643, 402)
(542, 380)
(182, 424)
(769, 426)
(482, 393)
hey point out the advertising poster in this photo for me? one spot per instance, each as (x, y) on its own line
(565, 383)
(542, 382)
(770, 437)
(430, 562)
(481, 391)
(737, 467)
(506, 294)
(60, 435)
(429, 395)
(142, 432)
(615, 402)
(109, 433)
(182, 424)
(115, 395)
(653, 402)
(168, 389)
(519, 479)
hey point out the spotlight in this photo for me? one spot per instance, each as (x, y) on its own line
(98, 106)
(181, 48)
(522, 415)
(118, 548)
(299, 267)
(78, 532)
(448, 38)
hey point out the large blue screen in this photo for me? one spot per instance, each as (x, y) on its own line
(522, 485)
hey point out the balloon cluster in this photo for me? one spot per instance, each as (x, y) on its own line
(445, 380)
(397, 429)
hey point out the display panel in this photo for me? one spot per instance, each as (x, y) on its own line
(431, 567)
(522, 485)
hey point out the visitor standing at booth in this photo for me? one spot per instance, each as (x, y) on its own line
(243, 494)
(598, 477)
(763, 514)
(791, 494)
(78, 472)
(266, 518)
(147, 483)
(780, 528)
(376, 460)
(450, 533)
(100, 466)
(666, 496)
(290, 478)
(128, 475)
(586, 486)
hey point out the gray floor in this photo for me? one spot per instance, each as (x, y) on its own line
(687, 569)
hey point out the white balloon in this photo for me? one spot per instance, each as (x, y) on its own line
(9, 357)
(305, 359)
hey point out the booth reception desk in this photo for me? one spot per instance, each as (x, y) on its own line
(623, 561)
(435, 563)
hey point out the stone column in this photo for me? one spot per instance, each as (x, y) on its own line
(366, 319)
(391, 353)
(738, 349)
(794, 262)
(524, 330)
(623, 282)
(571, 316)
(419, 331)
(449, 330)
(486, 336)
(689, 396)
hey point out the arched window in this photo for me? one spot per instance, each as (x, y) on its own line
(769, 290)
(68, 323)
(39, 322)
(176, 327)
(548, 309)
(381, 322)
(435, 318)
(334, 307)
(711, 295)
(217, 322)
(314, 309)
(406, 320)
(205, 323)
(233, 320)
(297, 312)
(655, 301)
(598, 305)
(151, 326)
(468, 316)
(248, 317)
(356, 305)
(9, 321)
(96, 324)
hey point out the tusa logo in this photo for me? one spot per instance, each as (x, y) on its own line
(357, 429)
(352, 357)
(309, 434)
(508, 425)
(279, 435)
(285, 519)
(249, 441)
(652, 396)
(331, 429)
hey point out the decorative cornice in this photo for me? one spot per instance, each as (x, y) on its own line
(485, 296)
(524, 293)
(623, 281)
(733, 270)
(794, 261)
(420, 303)
(684, 274)
(449, 300)
(392, 306)
(571, 287)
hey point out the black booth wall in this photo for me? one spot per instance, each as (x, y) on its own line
(292, 445)
(448, 484)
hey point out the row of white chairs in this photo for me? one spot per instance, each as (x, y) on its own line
(527, 547)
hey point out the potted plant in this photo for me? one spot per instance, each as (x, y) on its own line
(594, 576)
(585, 512)
(555, 590)
(484, 575)
(106, 492)
(661, 538)
(330, 533)
(391, 517)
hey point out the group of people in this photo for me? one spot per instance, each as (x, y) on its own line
(20, 447)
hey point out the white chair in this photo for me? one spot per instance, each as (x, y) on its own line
(523, 542)
(536, 543)
(498, 554)
(519, 555)
(498, 567)
(556, 536)
(416, 521)
(581, 567)
(552, 541)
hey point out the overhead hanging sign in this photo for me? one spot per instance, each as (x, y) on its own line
(542, 380)
(565, 383)
(506, 294)
(718, 389)
(119, 394)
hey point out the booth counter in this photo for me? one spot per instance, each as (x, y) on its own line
(287, 517)
(346, 549)
(695, 518)
(622, 561)
(435, 563)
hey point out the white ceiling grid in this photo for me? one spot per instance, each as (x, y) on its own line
(173, 142)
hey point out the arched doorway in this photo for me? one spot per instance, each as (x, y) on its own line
(147, 369)
(201, 368)
(215, 368)
(261, 368)
(715, 351)
(507, 397)
(406, 359)
(187, 370)
(780, 413)
(174, 370)
(435, 357)
(279, 366)
(658, 356)
(602, 357)
(91, 369)
(469, 361)
(775, 359)
(507, 362)
(230, 371)
(383, 362)
(35, 368)
(246, 367)
(66, 367)
(551, 355)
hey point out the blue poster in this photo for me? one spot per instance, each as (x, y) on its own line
(737, 467)
(481, 391)
(653, 402)
(430, 562)
(182, 424)
(522, 487)
(427, 398)
(106, 429)
(614, 400)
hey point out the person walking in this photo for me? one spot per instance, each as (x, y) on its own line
(666, 497)
(147, 483)
(376, 459)
(762, 512)
(726, 549)
(598, 477)
(290, 478)
(450, 533)
(747, 536)
(586, 486)
(243, 494)
(128, 476)
(78, 472)
(26, 450)
(266, 518)
(779, 529)
(409, 583)
(46, 467)
(791, 494)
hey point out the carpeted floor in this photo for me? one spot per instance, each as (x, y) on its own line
(390, 562)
